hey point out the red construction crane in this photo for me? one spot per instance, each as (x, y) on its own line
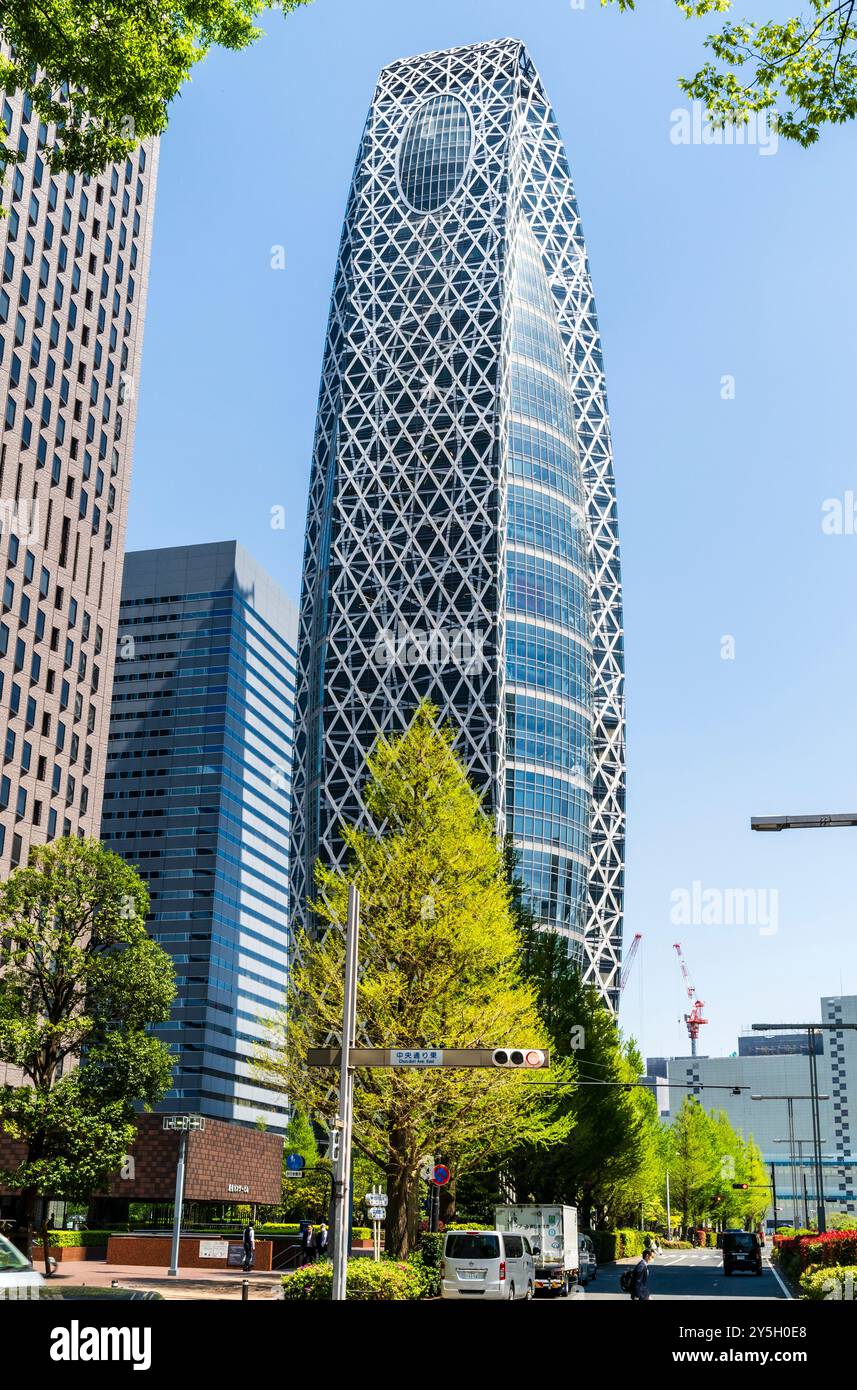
(694, 1019)
(629, 959)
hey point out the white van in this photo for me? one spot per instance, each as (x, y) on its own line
(487, 1265)
(18, 1279)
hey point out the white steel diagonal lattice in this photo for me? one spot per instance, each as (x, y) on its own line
(461, 536)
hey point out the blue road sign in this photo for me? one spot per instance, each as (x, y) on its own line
(295, 1162)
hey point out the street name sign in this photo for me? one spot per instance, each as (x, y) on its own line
(416, 1057)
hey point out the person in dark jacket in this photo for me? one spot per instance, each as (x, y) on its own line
(306, 1242)
(640, 1277)
(320, 1242)
(249, 1241)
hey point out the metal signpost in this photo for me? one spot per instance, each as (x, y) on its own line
(512, 1057)
(182, 1123)
(376, 1202)
(341, 1135)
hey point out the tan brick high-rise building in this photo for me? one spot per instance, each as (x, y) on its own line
(74, 261)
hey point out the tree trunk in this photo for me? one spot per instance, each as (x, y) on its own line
(396, 1229)
(46, 1243)
(27, 1220)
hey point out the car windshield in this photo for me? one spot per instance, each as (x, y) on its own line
(10, 1258)
(472, 1245)
(742, 1240)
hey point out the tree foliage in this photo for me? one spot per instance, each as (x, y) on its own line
(803, 68)
(438, 968)
(102, 73)
(80, 977)
(706, 1157)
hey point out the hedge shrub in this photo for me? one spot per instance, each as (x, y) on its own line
(65, 1240)
(829, 1282)
(387, 1281)
(621, 1244)
(431, 1248)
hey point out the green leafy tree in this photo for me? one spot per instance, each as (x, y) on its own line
(102, 73)
(606, 1140)
(695, 1164)
(439, 967)
(299, 1138)
(639, 1194)
(803, 68)
(81, 976)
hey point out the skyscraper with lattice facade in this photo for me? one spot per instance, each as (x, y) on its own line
(461, 537)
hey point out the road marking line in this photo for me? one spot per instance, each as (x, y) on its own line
(778, 1278)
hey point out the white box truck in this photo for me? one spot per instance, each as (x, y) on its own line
(552, 1233)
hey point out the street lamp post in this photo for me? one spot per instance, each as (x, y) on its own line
(800, 1143)
(817, 822)
(814, 1098)
(182, 1123)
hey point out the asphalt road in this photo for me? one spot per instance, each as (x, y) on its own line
(687, 1274)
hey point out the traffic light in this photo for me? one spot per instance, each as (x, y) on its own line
(517, 1057)
(333, 1151)
(742, 1186)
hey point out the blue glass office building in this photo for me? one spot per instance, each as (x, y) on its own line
(461, 536)
(198, 795)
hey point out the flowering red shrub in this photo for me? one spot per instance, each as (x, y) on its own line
(832, 1248)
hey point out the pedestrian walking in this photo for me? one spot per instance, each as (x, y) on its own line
(639, 1283)
(249, 1240)
(320, 1242)
(306, 1242)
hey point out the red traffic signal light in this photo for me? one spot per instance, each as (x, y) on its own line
(518, 1057)
(742, 1186)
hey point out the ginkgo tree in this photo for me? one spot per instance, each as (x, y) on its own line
(802, 69)
(439, 967)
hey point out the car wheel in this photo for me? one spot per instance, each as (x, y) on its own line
(511, 1293)
(529, 1293)
(566, 1287)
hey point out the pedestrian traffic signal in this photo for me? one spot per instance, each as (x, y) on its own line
(518, 1057)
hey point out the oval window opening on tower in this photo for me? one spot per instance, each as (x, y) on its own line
(434, 152)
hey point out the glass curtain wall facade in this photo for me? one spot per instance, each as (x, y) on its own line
(461, 534)
(197, 797)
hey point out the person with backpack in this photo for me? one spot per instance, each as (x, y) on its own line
(636, 1281)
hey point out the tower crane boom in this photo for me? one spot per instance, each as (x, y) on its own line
(629, 960)
(694, 1019)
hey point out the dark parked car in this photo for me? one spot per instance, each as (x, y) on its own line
(741, 1250)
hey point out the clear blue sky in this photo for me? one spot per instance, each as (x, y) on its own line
(707, 261)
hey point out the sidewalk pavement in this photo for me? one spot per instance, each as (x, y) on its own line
(189, 1283)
